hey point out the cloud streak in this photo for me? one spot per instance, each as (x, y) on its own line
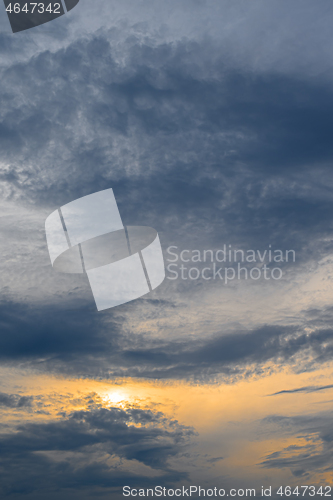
(102, 346)
(307, 390)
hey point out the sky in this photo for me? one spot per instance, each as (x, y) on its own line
(211, 121)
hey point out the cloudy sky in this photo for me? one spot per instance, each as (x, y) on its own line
(212, 122)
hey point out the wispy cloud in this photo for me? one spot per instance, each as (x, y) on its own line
(314, 454)
(308, 389)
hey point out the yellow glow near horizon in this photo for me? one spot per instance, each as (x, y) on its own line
(227, 417)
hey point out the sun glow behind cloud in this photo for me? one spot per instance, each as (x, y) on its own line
(232, 421)
(118, 398)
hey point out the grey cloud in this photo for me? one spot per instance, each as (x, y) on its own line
(240, 28)
(158, 94)
(81, 342)
(206, 153)
(214, 460)
(15, 401)
(85, 442)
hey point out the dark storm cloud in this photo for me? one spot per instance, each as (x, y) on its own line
(272, 121)
(54, 332)
(177, 127)
(232, 354)
(50, 455)
(315, 456)
(83, 343)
